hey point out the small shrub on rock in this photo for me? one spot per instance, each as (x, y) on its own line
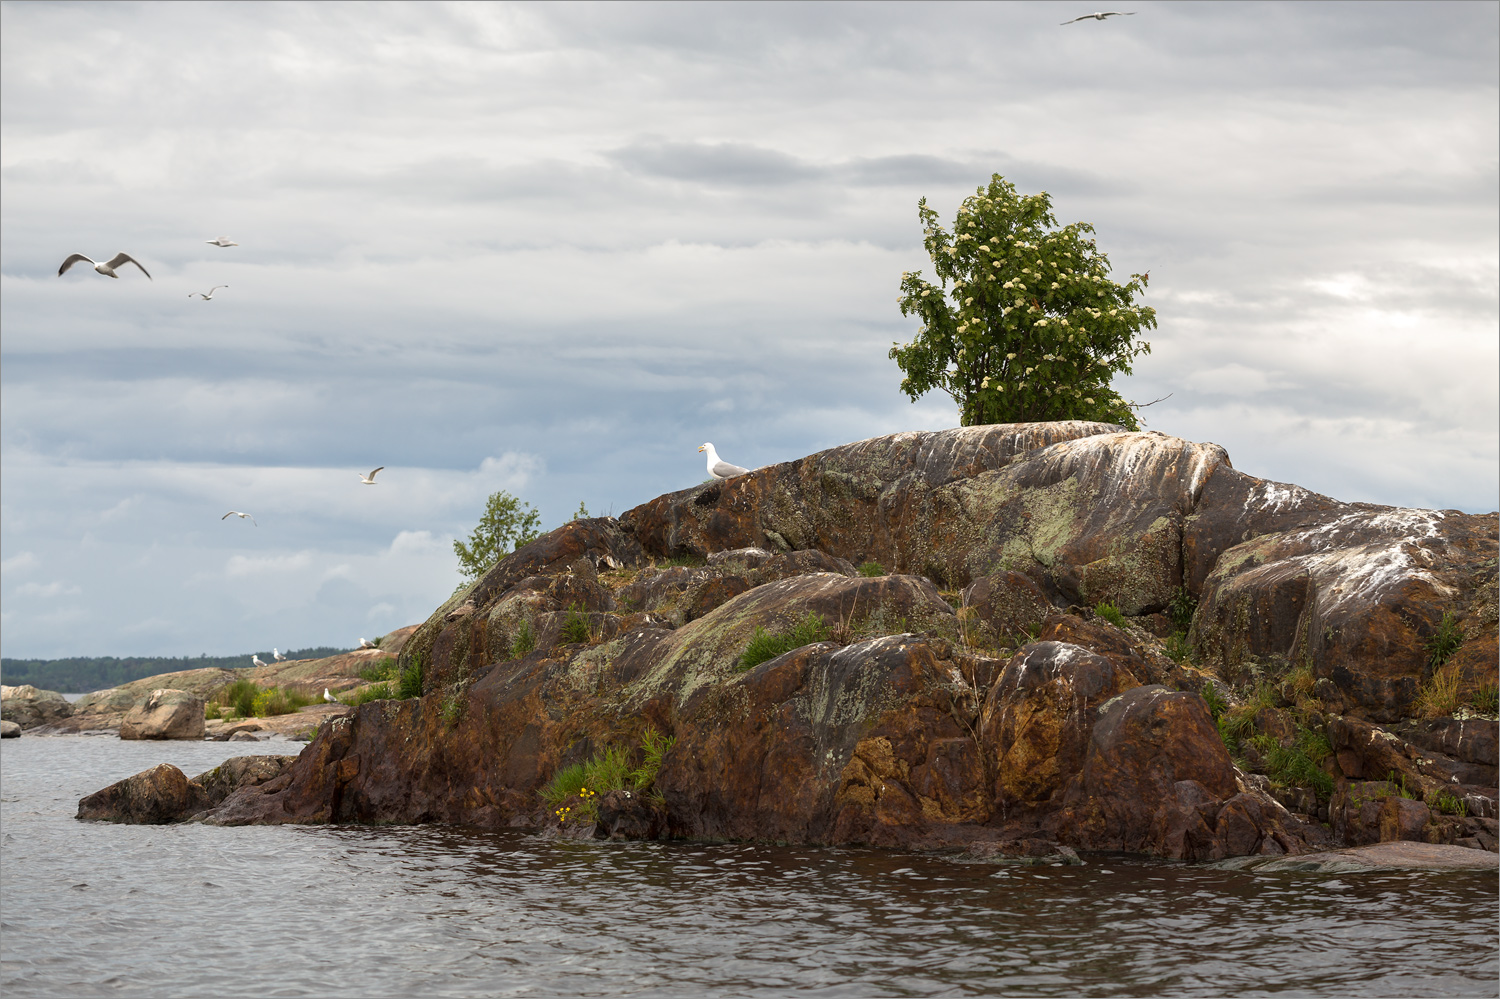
(1110, 613)
(364, 695)
(409, 684)
(872, 569)
(1181, 609)
(381, 670)
(1445, 641)
(576, 628)
(525, 640)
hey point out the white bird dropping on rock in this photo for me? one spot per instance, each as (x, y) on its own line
(718, 467)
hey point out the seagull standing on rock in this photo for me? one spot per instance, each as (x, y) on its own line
(365, 643)
(255, 661)
(329, 697)
(276, 655)
(718, 467)
(107, 268)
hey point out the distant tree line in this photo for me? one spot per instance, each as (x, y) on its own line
(85, 673)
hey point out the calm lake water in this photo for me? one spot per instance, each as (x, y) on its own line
(94, 909)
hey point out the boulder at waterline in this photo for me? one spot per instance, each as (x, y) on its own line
(9, 730)
(165, 714)
(30, 707)
(163, 794)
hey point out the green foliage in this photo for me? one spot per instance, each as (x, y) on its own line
(1035, 330)
(1439, 696)
(691, 561)
(872, 569)
(525, 639)
(409, 683)
(212, 710)
(364, 695)
(239, 695)
(1177, 648)
(379, 671)
(1445, 641)
(765, 646)
(582, 513)
(1216, 705)
(576, 626)
(506, 525)
(1298, 765)
(278, 701)
(1236, 725)
(608, 771)
(654, 746)
(1298, 684)
(1110, 613)
(454, 706)
(1487, 699)
(1181, 609)
(1446, 801)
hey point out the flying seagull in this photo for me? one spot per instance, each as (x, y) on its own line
(108, 267)
(242, 516)
(221, 241)
(369, 480)
(276, 655)
(1100, 15)
(255, 661)
(718, 467)
(209, 297)
(329, 697)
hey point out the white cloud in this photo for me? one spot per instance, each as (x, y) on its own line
(47, 591)
(241, 565)
(23, 562)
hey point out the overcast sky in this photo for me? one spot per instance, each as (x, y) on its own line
(553, 249)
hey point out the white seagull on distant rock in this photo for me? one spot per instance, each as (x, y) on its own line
(369, 480)
(276, 655)
(107, 268)
(255, 661)
(210, 296)
(1100, 15)
(329, 697)
(221, 241)
(365, 643)
(718, 467)
(242, 516)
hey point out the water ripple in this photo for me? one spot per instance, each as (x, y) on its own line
(335, 911)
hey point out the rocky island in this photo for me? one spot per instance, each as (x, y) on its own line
(1018, 640)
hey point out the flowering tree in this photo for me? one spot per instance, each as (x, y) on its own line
(1035, 330)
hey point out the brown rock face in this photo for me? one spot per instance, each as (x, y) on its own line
(900, 730)
(165, 714)
(164, 795)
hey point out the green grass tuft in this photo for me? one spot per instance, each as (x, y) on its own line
(1216, 705)
(379, 671)
(1181, 609)
(765, 646)
(872, 569)
(525, 640)
(576, 628)
(1445, 641)
(1110, 613)
(1487, 699)
(1177, 648)
(409, 684)
(364, 695)
(654, 746)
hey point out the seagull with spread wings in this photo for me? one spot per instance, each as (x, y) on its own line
(210, 296)
(107, 268)
(221, 241)
(242, 516)
(1100, 15)
(369, 480)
